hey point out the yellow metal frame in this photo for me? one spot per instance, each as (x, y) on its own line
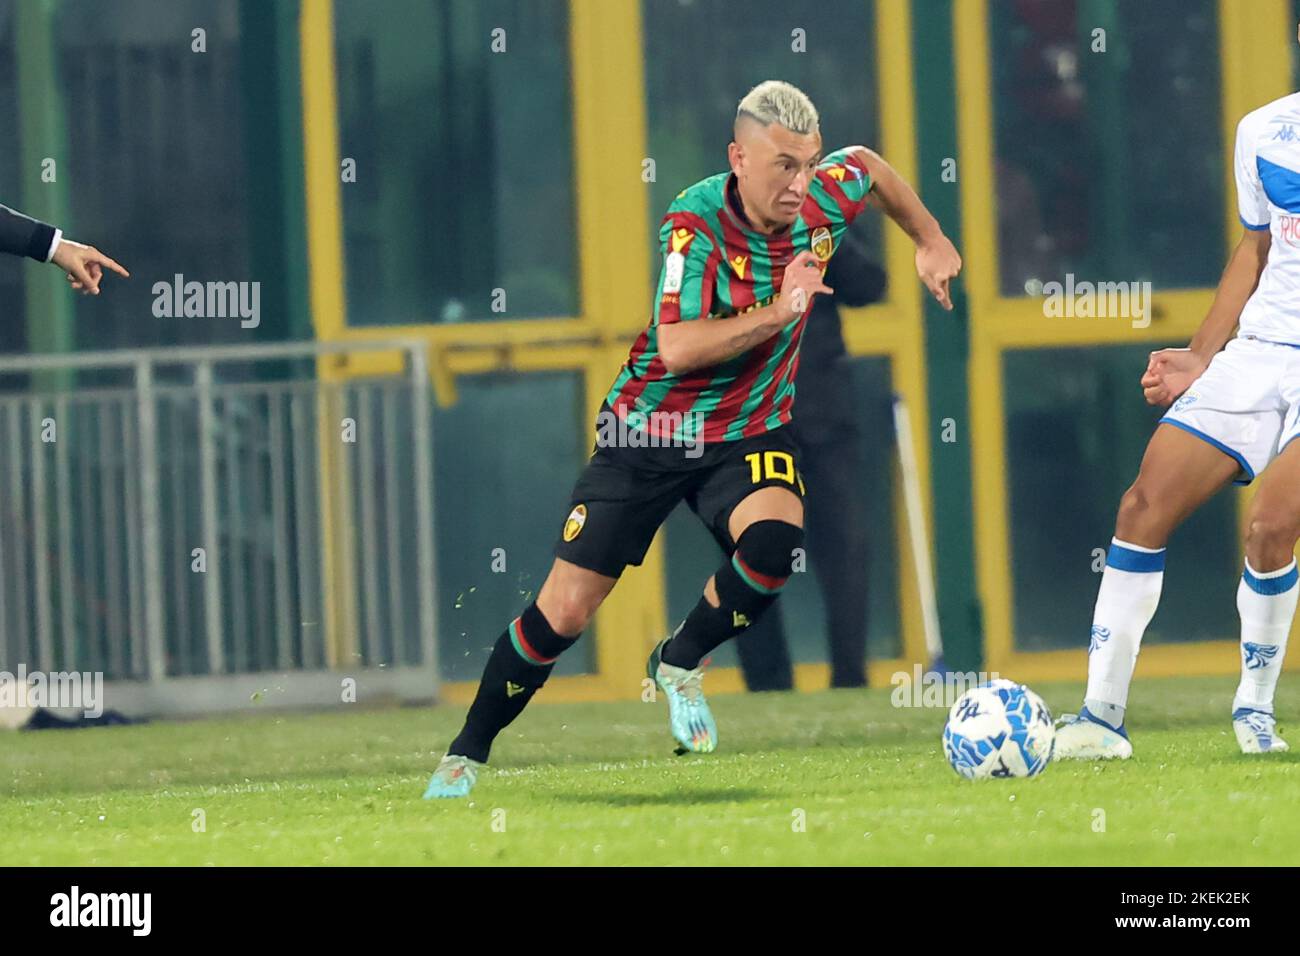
(1255, 65)
(608, 90)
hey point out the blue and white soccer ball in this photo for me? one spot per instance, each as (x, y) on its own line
(999, 729)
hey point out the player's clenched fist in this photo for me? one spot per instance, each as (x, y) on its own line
(1169, 373)
(801, 281)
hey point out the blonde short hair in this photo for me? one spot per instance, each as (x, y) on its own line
(775, 101)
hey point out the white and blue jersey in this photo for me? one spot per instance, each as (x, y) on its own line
(1247, 402)
(1267, 167)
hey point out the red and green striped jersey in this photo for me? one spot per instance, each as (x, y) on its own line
(717, 265)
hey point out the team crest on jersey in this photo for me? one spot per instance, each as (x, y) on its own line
(822, 243)
(573, 525)
(739, 263)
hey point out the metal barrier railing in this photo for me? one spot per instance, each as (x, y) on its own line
(181, 522)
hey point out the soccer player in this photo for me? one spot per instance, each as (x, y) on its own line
(23, 236)
(696, 412)
(1237, 411)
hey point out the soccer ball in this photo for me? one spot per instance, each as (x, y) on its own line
(999, 729)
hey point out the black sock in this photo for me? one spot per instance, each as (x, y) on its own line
(747, 585)
(522, 658)
(705, 629)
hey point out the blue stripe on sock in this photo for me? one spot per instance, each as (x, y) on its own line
(1126, 559)
(1270, 586)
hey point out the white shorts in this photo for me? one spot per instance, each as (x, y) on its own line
(1246, 403)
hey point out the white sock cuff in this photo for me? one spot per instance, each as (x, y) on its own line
(1271, 574)
(1135, 547)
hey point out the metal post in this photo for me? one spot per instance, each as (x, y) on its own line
(393, 526)
(123, 644)
(40, 544)
(149, 521)
(208, 493)
(16, 501)
(427, 582)
(63, 486)
(367, 468)
(280, 551)
(134, 547)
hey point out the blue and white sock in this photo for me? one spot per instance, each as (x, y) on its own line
(1266, 602)
(1126, 602)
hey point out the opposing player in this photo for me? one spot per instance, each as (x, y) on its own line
(1237, 411)
(701, 402)
(23, 236)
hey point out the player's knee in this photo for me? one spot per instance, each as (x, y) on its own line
(1271, 536)
(765, 553)
(568, 610)
(1139, 518)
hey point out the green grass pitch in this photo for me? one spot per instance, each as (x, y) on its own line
(838, 777)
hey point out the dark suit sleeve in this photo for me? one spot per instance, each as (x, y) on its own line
(857, 280)
(23, 236)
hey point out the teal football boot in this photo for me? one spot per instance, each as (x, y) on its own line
(454, 777)
(688, 712)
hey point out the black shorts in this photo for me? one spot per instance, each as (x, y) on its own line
(625, 494)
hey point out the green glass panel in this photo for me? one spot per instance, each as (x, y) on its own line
(463, 157)
(1109, 162)
(1076, 430)
(506, 456)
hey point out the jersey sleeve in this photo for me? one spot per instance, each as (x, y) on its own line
(1252, 202)
(842, 184)
(685, 289)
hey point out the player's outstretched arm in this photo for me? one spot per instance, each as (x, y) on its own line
(1170, 372)
(937, 261)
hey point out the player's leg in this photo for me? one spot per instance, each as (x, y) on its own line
(1266, 600)
(521, 660)
(1179, 472)
(614, 513)
(751, 500)
(764, 654)
(766, 526)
